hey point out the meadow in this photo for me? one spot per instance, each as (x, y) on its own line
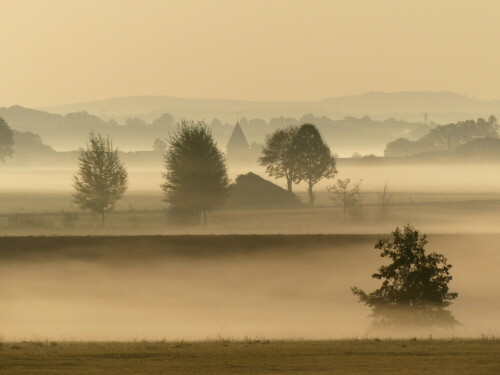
(342, 357)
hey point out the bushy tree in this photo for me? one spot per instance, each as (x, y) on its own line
(402, 147)
(313, 159)
(195, 180)
(164, 122)
(277, 155)
(101, 179)
(159, 145)
(6, 140)
(414, 289)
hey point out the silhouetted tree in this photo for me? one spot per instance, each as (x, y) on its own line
(164, 122)
(196, 180)
(6, 140)
(414, 289)
(277, 155)
(101, 179)
(403, 147)
(312, 156)
(348, 197)
(159, 145)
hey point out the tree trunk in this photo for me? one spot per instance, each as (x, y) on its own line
(102, 217)
(289, 184)
(205, 218)
(311, 195)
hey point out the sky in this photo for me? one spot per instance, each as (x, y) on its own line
(59, 51)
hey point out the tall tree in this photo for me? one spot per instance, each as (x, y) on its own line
(313, 158)
(414, 289)
(277, 155)
(6, 140)
(195, 180)
(101, 179)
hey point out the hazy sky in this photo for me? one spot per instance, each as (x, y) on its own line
(62, 51)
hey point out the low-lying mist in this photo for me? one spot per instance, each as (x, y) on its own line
(225, 286)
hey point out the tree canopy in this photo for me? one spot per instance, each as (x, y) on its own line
(277, 155)
(313, 159)
(195, 180)
(101, 179)
(414, 290)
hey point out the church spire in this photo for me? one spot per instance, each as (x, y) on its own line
(238, 141)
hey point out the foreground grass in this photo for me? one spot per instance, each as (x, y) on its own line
(254, 357)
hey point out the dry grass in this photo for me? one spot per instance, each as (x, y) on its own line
(344, 357)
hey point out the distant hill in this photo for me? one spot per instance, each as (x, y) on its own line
(70, 131)
(27, 119)
(442, 107)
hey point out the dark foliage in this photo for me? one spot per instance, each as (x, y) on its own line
(312, 157)
(196, 180)
(414, 289)
(277, 155)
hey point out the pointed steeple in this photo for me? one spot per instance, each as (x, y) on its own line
(238, 141)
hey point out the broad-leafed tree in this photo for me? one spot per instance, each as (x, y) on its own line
(313, 158)
(414, 290)
(278, 157)
(101, 179)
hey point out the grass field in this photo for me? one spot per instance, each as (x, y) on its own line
(343, 357)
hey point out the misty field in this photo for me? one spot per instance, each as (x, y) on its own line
(343, 357)
(234, 286)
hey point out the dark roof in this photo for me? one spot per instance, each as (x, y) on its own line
(238, 141)
(252, 191)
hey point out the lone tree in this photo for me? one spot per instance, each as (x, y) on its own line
(195, 180)
(159, 146)
(314, 160)
(348, 197)
(101, 179)
(6, 140)
(277, 155)
(414, 289)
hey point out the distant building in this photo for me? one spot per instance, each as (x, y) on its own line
(238, 149)
(251, 191)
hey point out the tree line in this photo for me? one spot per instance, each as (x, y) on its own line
(444, 137)
(195, 179)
